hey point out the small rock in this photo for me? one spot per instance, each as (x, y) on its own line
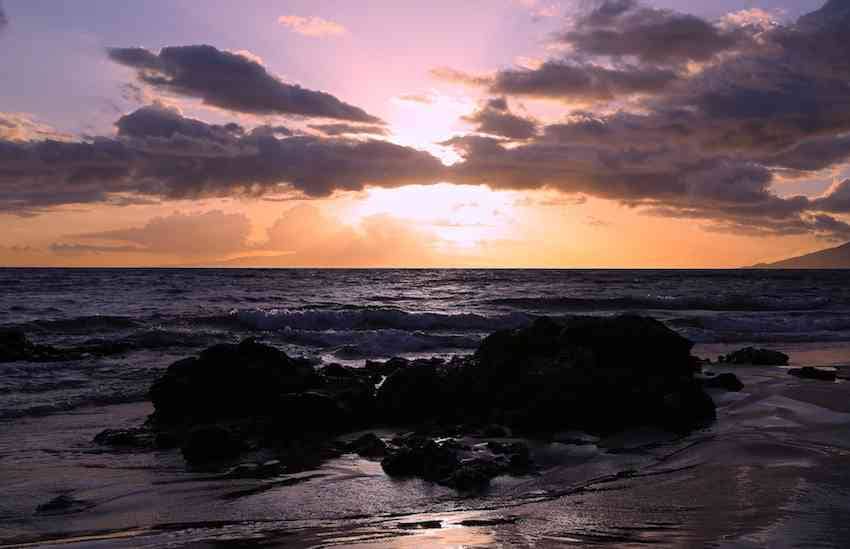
(809, 372)
(727, 381)
(62, 504)
(423, 525)
(368, 446)
(120, 437)
(756, 357)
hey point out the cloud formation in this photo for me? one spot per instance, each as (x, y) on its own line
(495, 119)
(574, 81)
(348, 129)
(302, 236)
(312, 26)
(231, 81)
(707, 146)
(160, 154)
(620, 28)
(22, 127)
(209, 234)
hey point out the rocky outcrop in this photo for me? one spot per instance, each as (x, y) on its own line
(598, 375)
(229, 381)
(593, 374)
(756, 357)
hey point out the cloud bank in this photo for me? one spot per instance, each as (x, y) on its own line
(231, 81)
(160, 154)
(707, 143)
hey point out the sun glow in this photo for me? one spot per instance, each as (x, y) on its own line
(428, 120)
(460, 215)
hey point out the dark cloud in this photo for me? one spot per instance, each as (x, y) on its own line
(709, 145)
(569, 80)
(231, 81)
(618, 28)
(837, 200)
(348, 129)
(161, 154)
(496, 119)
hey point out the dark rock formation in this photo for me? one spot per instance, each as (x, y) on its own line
(756, 357)
(229, 381)
(594, 374)
(727, 381)
(809, 372)
(598, 375)
(210, 443)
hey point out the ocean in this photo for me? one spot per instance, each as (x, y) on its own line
(50, 411)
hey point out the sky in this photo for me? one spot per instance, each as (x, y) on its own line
(485, 133)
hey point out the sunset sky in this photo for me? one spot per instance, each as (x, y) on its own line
(482, 133)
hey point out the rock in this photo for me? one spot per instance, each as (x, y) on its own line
(607, 342)
(63, 504)
(209, 443)
(809, 372)
(495, 431)
(423, 458)
(123, 437)
(368, 446)
(228, 381)
(338, 370)
(756, 357)
(422, 525)
(592, 374)
(309, 413)
(687, 408)
(165, 440)
(15, 346)
(456, 465)
(727, 381)
(415, 392)
(473, 475)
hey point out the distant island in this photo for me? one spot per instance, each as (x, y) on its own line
(831, 258)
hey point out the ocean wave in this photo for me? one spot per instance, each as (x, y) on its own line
(356, 344)
(73, 403)
(714, 303)
(777, 327)
(82, 324)
(371, 319)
